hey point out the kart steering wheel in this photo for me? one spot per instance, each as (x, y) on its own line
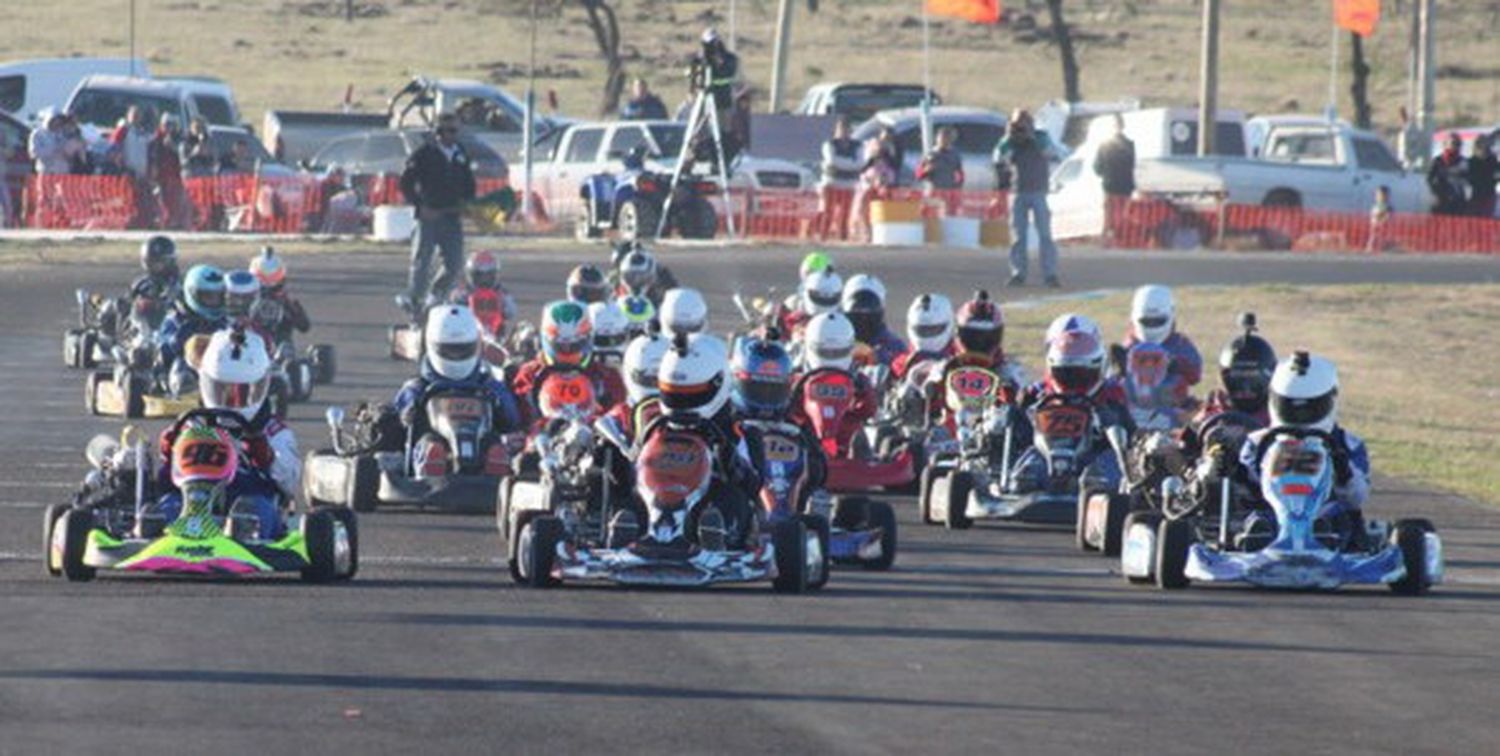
(228, 420)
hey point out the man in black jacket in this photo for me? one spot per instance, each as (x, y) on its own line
(1115, 166)
(437, 182)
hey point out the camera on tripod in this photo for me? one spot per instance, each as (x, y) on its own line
(697, 74)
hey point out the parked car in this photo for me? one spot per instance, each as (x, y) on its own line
(29, 86)
(978, 133)
(222, 140)
(100, 102)
(1068, 122)
(860, 102)
(212, 98)
(383, 151)
(15, 161)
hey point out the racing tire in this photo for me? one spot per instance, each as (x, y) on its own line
(539, 551)
(350, 522)
(76, 524)
(1149, 519)
(317, 536)
(789, 538)
(1116, 509)
(325, 363)
(1173, 539)
(956, 503)
(1082, 523)
(818, 525)
(70, 347)
(851, 511)
(134, 392)
(299, 375)
(50, 517)
(512, 547)
(391, 334)
(881, 515)
(638, 219)
(364, 485)
(924, 494)
(91, 391)
(1411, 537)
(502, 508)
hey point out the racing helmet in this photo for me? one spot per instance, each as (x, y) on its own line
(567, 334)
(452, 341)
(586, 285)
(203, 453)
(483, 270)
(642, 365)
(929, 323)
(611, 327)
(1075, 363)
(760, 378)
(814, 262)
(820, 291)
(639, 313)
(864, 304)
(1069, 322)
(980, 325)
(638, 271)
(269, 268)
(691, 377)
(241, 289)
(235, 372)
(684, 311)
(203, 291)
(159, 257)
(828, 342)
(1305, 393)
(1153, 313)
(1246, 364)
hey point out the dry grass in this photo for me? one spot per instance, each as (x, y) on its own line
(1416, 363)
(300, 53)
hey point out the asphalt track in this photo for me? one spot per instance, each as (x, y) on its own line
(993, 640)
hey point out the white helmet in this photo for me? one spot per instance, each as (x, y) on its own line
(828, 342)
(692, 376)
(863, 282)
(235, 372)
(1153, 313)
(929, 323)
(642, 365)
(1305, 393)
(452, 341)
(611, 327)
(683, 311)
(1070, 322)
(820, 291)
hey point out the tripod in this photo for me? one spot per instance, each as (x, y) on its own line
(705, 112)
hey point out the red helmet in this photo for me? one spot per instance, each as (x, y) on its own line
(484, 270)
(1075, 363)
(981, 325)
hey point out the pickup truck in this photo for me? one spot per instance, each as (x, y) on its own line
(860, 102)
(1301, 162)
(565, 161)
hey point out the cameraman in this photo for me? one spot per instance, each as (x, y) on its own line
(720, 70)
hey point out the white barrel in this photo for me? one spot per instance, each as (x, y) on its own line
(897, 234)
(393, 223)
(961, 232)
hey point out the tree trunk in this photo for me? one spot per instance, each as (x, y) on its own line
(1359, 87)
(606, 29)
(1063, 37)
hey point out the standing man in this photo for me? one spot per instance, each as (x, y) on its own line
(1483, 170)
(643, 104)
(840, 167)
(1447, 179)
(132, 142)
(437, 182)
(1029, 152)
(1115, 166)
(942, 170)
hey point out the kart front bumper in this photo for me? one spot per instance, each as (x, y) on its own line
(847, 475)
(217, 556)
(1049, 507)
(694, 569)
(1312, 569)
(454, 493)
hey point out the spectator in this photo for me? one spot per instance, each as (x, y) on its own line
(238, 159)
(75, 147)
(1002, 168)
(1115, 166)
(887, 153)
(1380, 221)
(1446, 179)
(48, 145)
(437, 182)
(166, 175)
(643, 104)
(877, 176)
(131, 143)
(840, 174)
(198, 158)
(1484, 169)
(942, 169)
(1029, 152)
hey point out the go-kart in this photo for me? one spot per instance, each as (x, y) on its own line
(827, 396)
(504, 346)
(315, 366)
(134, 388)
(104, 324)
(631, 203)
(111, 526)
(675, 477)
(1305, 541)
(1145, 371)
(458, 466)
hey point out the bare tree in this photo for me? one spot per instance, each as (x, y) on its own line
(606, 29)
(1062, 36)
(1359, 88)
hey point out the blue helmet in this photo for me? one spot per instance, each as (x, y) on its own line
(761, 378)
(203, 291)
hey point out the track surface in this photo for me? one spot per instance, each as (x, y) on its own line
(997, 639)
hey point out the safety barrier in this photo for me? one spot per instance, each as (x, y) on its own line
(833, 214)
(81, 203)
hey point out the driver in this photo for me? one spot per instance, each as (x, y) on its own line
(271, 272)
(1075, 370)
(929, 326)
(863, 303)
(586, 285)
(200, 310)
(761, 390)
(567, 344)
(641, 366)
(820, 291)
(611, 331)
(639, 273)
(159, 284)
(482, 273)
(980, 342)
(1153, 320)
(451, 362)
(828, 344)
(235, 376)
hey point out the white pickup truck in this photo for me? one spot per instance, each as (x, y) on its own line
(1300, 162)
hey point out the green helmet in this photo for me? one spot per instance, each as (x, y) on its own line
(813, 263)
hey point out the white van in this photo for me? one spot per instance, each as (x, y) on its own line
(28, 86)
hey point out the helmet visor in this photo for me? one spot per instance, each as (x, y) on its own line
(866, 324)
(210, 299)
(1247, 386)
(823, 301)
(485, 278)
(457, 352)
(982, 339)
(691, 396)
(233, 396)
(1153, 321)
(1289, 411)
(827, 354)
(587, 293)
(645, 379)
(1075, 378)
(764, 394)
(570, 350)
(929, 330)
(638, 279)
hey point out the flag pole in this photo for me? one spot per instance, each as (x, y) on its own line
(1332, 112)
(926, 79)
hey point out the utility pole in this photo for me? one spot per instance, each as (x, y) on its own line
(1208, 79)
(1426, 77)
(528, 129)
(132, 38)
(783, 49)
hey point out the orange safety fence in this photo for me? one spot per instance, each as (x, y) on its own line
(80, 203)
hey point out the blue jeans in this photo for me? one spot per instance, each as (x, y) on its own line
(1034, 204)
(445, 232)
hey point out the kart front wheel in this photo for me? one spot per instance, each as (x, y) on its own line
(879, 514)
(364, 484)
(325, 363)
(1173, 539)
(350, 521)
(956, 503)
(76, 525)
(924, 494)
(789, 539)
(536, 550)
(317, 536)
(819, 564)
(49, 528)
(1411, 537)
(1142, 519)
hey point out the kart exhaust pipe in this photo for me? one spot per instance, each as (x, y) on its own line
(1005, 459)
(1223, 511)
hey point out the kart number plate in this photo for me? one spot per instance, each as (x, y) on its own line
(1062, 422)
(459, 407)
(779, 448)
(971, 388)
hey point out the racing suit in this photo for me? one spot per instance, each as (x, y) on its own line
(866, 403)
(159, 290)
(172, 338)
(269, 475)
(508, 313)
(1351, 467)
(293, 316)
(912, 357)
(1108, 400)
(887, 346)
(1185, 370)
(608, 386)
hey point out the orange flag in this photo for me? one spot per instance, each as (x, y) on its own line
(978, 11)
(1358, 16)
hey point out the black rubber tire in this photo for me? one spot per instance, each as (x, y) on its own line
(1411, 537)
(512, 547)
(86, 343)
(1286, 198)
(924, 494)
(850, 511)
(1081, 523)
(134, 391)
(300, 376)
(76, 524)
(789, 538)
(91, 391)
(819, 525)
(1173, 539)
(351, 526)
(325, 362)
(956, 505)
(50, 516)
(546, 533)
(882, 516)
(638, 219)
(364, 484)
(1115, 512)
(1149, 519)
(502, 509)
(70, 347)
(317, 535)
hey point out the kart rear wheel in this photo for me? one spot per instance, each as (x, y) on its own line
(1082, 523)
(351, 527)
(850, 511)
(1173, 539)
(1117, 507)
(537, 544)
(924, 494)
(91, 391)
(49, 526)
(317, 536)
(76, 524)
(299, 375)
(133, 389)
(364, 484)
(513, 546)
(1411, 537)
(879, 514)
(1147, 519)
(821, 567)
(956, 503)
(325, 363)
(789, 538)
